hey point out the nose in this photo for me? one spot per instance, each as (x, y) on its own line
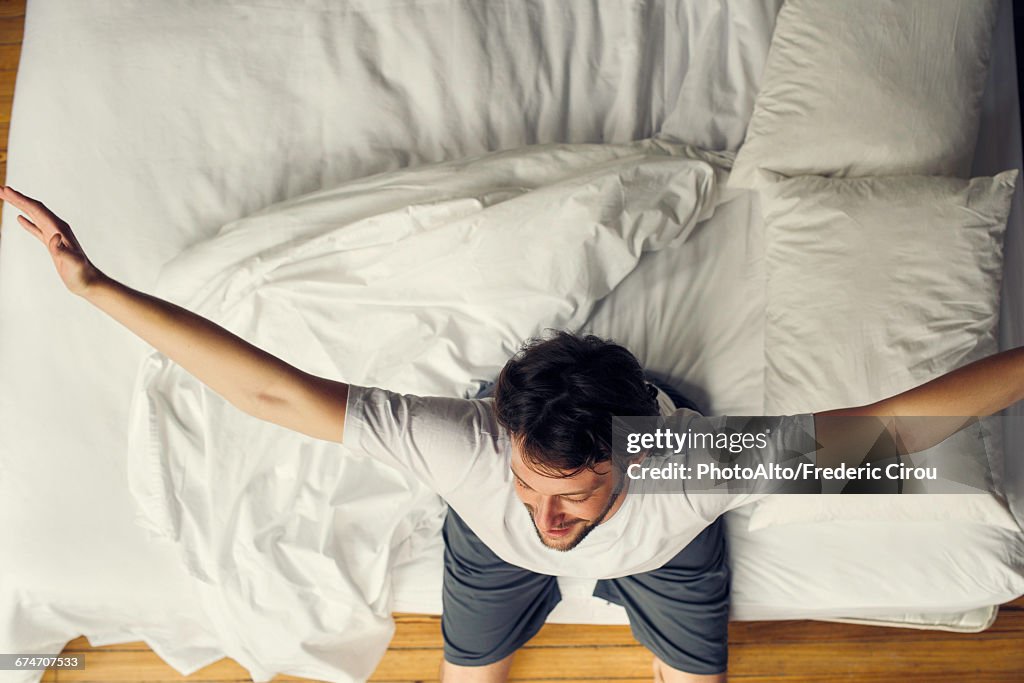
(549, 512)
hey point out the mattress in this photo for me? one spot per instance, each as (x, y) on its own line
(150, 127)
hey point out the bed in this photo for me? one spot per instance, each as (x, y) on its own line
(151, 128)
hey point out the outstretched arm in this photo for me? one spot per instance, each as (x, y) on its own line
(246, 376)
(888, 427)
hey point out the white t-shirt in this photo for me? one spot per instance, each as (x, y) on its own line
(458, 449)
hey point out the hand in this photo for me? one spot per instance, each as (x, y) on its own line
(73, 266)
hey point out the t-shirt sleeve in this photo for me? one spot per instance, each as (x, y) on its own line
(437, 438)
(789, 440)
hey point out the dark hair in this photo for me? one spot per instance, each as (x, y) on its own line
(557, 397)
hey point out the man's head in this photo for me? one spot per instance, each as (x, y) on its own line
(556, 398)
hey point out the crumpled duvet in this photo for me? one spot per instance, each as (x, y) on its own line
(423, 280)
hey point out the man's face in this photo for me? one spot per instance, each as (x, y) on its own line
(565, 509)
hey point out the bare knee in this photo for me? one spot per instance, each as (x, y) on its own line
(663, 673)
(490, 673)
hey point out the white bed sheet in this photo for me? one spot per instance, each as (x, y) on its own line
(810, 571)
(149, 127)
(803, 571)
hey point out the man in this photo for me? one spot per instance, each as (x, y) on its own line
(534, 488)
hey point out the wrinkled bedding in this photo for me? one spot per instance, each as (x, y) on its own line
(422, 281)
(154, 127)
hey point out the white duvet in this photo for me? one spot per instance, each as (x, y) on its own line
(423, 280)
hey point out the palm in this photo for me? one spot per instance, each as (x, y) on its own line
(72, 265)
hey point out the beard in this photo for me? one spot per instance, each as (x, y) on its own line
(567, 543)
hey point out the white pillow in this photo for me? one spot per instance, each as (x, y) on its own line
(784, 509)
(872, 87)
(874, 286)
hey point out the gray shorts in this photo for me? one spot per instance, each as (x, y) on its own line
(679, 611)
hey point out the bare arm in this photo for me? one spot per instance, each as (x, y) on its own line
(241, 373)
(248, 377)
(888, 427)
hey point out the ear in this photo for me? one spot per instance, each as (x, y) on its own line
(638, 458)
(632, 460)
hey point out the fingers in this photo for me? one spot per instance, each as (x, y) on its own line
(44, 224)
(17, 198)
(33, 207)
(53, 244)
(43, 221)
(11, 195)
(30, 226)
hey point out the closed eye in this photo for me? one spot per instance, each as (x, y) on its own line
(575, 500)
(523, 484)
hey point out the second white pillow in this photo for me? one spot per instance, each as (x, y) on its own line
(877, 285)
(872, 87)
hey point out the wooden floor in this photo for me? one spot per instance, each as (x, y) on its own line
(12, 25)
(760, 652)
